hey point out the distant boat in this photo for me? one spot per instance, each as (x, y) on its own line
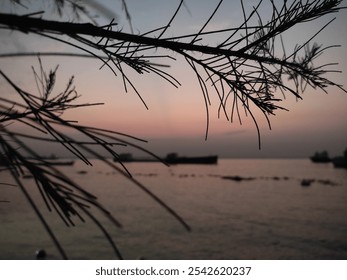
(5, 162)
(50, 160)
(341, 161)
(128, 157)
(320, 157)
(173, 158)
(59, 162)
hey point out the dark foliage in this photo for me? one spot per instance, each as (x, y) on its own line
(246, 73)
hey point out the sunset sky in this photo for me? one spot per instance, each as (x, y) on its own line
(176, 119)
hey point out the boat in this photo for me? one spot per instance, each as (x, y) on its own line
(173, 158)
(320, 157)
(51, 160)
(128, 157)
(59, 162)
(340, 161)
(48, 161)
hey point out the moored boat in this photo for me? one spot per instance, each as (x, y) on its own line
(43, 162)
(128, 157)
(320, 157)
(53, 162)
(173, 158)
(340, 161)
(59, 162)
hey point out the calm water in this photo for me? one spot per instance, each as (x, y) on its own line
(269, 217)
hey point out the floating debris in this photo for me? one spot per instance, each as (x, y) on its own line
(306, 182)
(238, 178)
(146, 174)
(303, 182)
(327, 182)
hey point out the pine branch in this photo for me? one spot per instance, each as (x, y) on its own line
(34, 25)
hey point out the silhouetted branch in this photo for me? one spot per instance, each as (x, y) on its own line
(246, 69)
(60, 193)
(245, 72)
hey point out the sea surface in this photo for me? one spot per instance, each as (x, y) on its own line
(237, 209)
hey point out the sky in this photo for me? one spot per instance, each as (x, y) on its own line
(176, 118)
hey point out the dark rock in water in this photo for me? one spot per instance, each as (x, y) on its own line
(40, 254)
(237, 178)
(306, 182)
(327, 182)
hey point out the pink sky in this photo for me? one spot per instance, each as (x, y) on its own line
(176, 117)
